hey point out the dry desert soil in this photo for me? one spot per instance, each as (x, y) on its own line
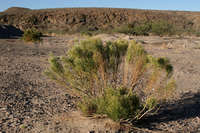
(31, 103)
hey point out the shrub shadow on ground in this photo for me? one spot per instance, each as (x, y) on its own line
(186, 107)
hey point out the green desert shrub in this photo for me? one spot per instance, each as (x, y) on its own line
(197, 33)
(126, 29)
(32, 35)
(118, 79)
(86, 33)
(162, 28)
(135, 29)
(142, 29)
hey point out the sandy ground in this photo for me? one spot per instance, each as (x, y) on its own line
(30, 102)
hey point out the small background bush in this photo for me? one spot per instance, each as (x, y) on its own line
(32, 35)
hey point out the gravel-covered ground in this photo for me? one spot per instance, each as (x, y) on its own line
(30, 102)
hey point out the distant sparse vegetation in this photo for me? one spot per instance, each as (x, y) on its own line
(162, 28)
(158, 28)
(118, 79)
(135, 29)
(32, 35)
(86, 33)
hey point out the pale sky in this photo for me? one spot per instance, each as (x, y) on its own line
(189, 5)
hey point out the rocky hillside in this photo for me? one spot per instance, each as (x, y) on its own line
(76, 19)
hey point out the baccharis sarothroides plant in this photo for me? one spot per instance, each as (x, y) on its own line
(117, 78)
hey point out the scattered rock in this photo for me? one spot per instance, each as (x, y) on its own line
(30, 102)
